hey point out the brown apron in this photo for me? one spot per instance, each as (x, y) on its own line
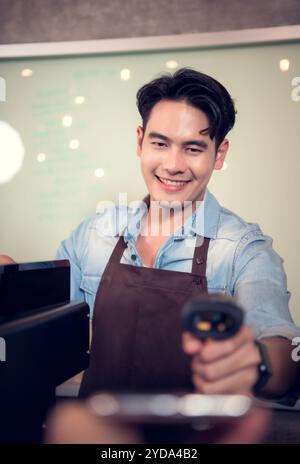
(136, 343)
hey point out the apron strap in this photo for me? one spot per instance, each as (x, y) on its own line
(118, 250)
(200, 256)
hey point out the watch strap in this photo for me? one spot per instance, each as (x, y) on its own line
(264, 367)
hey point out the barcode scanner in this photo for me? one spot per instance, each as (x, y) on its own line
(212, 316)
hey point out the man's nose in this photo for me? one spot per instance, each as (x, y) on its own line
(173, 161)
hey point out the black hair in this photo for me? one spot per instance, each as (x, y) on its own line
(196, 89)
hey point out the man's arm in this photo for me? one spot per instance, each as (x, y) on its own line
(73, 249)
(231, 366)
(286, 372)
(260, 285)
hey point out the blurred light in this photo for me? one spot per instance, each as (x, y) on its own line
(125, 74)
(67, 120)
(196, 405)
(163, 405)
(79, 100)
(103, 404)
(11, 152)
(99, 172)
(74, 143)
(224, 167)
(236, 406)
(284, 65)
(171, 64)
(26, 72)
(41, 157)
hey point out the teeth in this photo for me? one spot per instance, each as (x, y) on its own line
(171, 182)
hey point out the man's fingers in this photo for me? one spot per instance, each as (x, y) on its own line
(247, 355)
(218, 349)
(190, 344)
(240, 382)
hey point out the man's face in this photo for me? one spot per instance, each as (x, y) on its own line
(177, 160)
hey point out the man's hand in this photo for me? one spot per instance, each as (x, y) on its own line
(224, 366)
(4, 259)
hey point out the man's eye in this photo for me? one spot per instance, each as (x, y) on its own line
(159, 144)
(195, 150)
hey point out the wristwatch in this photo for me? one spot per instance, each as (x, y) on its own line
(264, 368)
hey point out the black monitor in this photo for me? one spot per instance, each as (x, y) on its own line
(44, 340)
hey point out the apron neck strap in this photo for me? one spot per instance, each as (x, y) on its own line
(200, 256)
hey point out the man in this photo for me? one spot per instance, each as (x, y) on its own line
(137, 281)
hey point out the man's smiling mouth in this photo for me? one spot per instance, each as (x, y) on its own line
(166, 181)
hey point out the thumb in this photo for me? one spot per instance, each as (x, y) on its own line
(191, 344)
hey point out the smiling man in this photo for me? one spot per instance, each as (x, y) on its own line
(178, 161)
(136, 282)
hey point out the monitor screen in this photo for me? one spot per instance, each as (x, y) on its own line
(26, 287)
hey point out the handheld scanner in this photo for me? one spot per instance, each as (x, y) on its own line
(212, 316)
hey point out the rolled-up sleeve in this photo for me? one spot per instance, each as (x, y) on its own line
(260, 286)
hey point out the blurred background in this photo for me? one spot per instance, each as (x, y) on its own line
(68, 116)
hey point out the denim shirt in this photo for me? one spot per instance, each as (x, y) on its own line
(241, 261)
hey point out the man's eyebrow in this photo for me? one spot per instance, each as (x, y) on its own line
(157, 135)
(198, 143)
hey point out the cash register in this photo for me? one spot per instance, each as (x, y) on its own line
(44, 341)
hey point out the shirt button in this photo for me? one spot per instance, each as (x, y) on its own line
(133, 257)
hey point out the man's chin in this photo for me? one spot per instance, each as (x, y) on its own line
(171, 204)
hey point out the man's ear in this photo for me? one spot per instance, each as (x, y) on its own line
(140, 135)
(221, 154)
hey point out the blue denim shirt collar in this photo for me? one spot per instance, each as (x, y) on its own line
(204, 221)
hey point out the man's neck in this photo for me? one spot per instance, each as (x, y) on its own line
(164, 221)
